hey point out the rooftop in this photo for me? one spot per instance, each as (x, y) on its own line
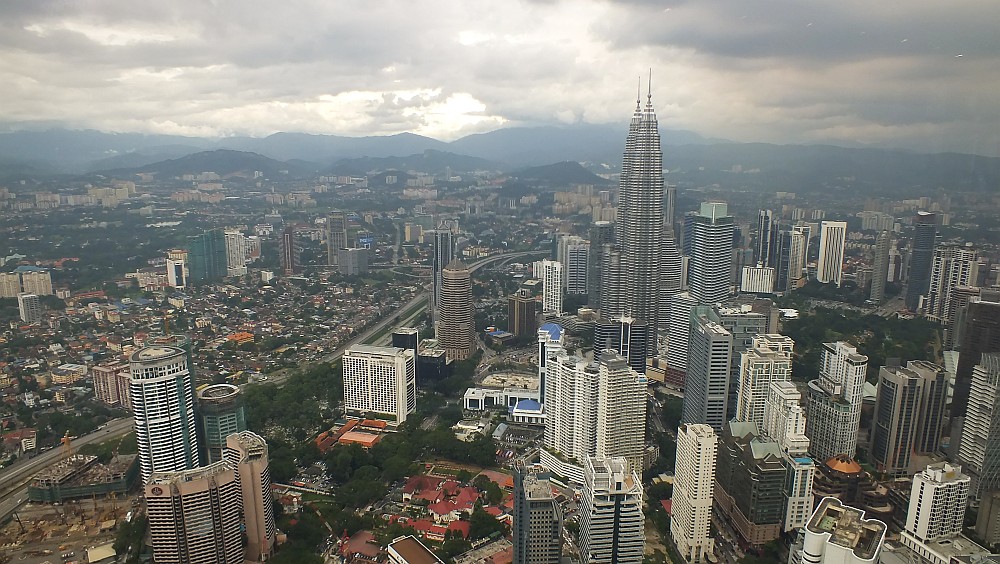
(413, 551)
(847, 527)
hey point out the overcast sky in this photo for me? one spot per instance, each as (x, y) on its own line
(922, 73)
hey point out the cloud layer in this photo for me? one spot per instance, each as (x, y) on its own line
(921, 73)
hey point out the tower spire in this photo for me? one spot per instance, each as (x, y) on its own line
(649, 85)
(638, 92)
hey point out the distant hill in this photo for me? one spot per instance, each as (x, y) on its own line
(329, 148)
(220, 161)
(429, 161)
(560, 174)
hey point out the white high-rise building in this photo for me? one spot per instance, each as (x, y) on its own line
(769, 359)
(10, 284)
(36, 281)
(938, 501)
(621, 411)
(785, 423)
(694, 484)
(162, 398)
(979, 449)
(380, 380)
(571, 397)
(611, 520)
(835, 402)
(29, 307)
(709, 270)
(952, 266)
(236, 253)
(757, 280)
(194, 515)
(838, 534)
(551, 273)
(832, 241)
(177, 268)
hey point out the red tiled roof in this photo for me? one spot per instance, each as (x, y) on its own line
(462, 527)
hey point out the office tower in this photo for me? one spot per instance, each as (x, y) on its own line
(750, 483)
(671, 277)
(236, 252)
(798, 254)
(711, 254)
(444, 254)
(29, 307)
(380, 380)
(107, 388)
(624, 335)
(768, 360)
(958, 308)
(552, 286)
(918, 278)
(36, 281)
(979, 449)
(456, 327)
(951, 266)
(289, 254)
(681, 307)
(336, 235)
(577, 266)
(612, 295)
(757, 280)
(163, 406)
(832, 241)
(194, 515)
(766, 244)
(980, 335)
(838, 534)
(706, 384)
(938, 501)
(880, 267)
(694, 485)
(835, 402)
(522, 316)
(639, 229)
(909, 415)
(785, 424)
(247, 453)
(621, 411)
(177, 268)
(220, 414)
(538, 519)
(407, 338)
(353, 261)
(207, 256)
(611, 521)
(601, 233)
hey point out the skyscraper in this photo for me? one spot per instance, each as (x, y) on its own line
(207, 256)
(624, 335)
(336, 235)
(522, 315)
(163, 405)
(706, 384)
(979, 449)
(236, 252)
(832, 241)
(577, 266)
(981, 335)
(694, 484)
(29, 307)
(611, 521)
(838, 533)
(880, 267)
(765, 246)
(768, 360)
(785, 423)
(177, 268)
(194, 515)
(601, 233)
(380, 380)
(444, 254)
(710, 268)
(220, 414)
(621, 411)
(952, 266)
(246, 452)
(456, 325)
(552, 285)
(538, 519)
(909, 414)
(835, 402)
(289, 252)
(921, 254)
(938, 502)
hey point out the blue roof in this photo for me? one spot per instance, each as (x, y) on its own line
(28, 268)
(528, 405)
(553, 329)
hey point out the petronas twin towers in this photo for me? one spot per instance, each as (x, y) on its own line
(644, 269)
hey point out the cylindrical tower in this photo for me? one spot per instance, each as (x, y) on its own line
(456, 327)
(220, 414)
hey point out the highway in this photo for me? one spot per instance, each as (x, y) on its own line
(14, 478)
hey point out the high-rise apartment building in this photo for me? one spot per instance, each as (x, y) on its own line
(835, 402)
(709, 270)
(551, 272)
(838, 534)
(980, 335)
(706, 384)
(979, 449)
(194, 515)
(571, 390)
(832, 243)
(108, 388)
(522, 314)
(538, 519)
(35, 280)
(938, 502)
(611, 520)
(10, 284)
(177, 268)
(785, 424)
(918, 278)
(207, 256)
(29, 308)
(456, 326)
(621, 411)
(236, 252)
(336, 235)
(380, 380)
(757, 280)
(220, 414)
(909, 414)
(952, 266)
(880, 267)
(768, 360)
(246, 452)
(352, 261)
(694, 486)
(163, 406)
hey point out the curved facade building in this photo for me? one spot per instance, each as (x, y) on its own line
(163, 404)
(456, 326)
(247, 453)
(220, 414)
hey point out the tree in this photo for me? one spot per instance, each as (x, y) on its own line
(482, 524)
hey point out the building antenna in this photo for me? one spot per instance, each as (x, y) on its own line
(638, 92)
(649, 84)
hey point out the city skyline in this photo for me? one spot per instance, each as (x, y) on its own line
(806, 73)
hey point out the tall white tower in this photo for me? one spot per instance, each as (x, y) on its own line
(621, 411)
(769, 359)
(552, 285)
(709, 271)
(832, 239)
(236, 252)
(938, 501)
(835, 401)
(694, 483)
(611, 521)
(380, 380)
